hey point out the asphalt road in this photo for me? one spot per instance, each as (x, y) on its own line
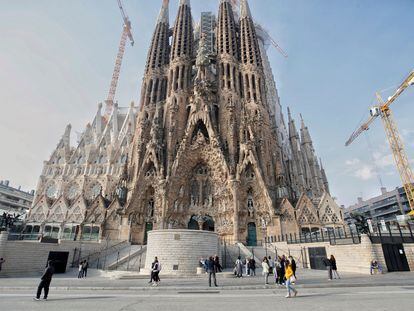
(344, 298)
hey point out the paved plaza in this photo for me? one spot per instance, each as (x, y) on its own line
(127, 291)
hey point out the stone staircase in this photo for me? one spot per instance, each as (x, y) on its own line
(130, 259)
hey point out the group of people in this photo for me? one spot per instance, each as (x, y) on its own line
(330, 264)
(283, 270)
(155, 272)
(83, 269)
(211, 266)
(7, 220)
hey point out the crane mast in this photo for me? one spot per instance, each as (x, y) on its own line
(126, 34)
(394, 137)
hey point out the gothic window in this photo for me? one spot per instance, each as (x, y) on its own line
(335, 219)
(150, 172)
(249, 172)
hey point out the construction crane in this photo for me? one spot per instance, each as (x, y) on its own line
(394, 138)
(236, 6)
(126, 33)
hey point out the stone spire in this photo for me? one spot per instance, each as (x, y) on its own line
(250, 50)
(182, 43)
(158, 54)
(244, 9)
(163, 16)
(226, 31)
(311, 160)
(324, 178)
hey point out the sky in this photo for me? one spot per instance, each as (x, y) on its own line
(57, 57)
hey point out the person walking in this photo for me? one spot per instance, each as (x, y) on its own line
(2, 261)
(334, 268)
(211, 269)
(265, 271)
(45, 281)
(328, 266)
(252, 263)
(290, 278)
(217, 265)
(152, 270)
(80, 270)
(282, 270)
(85, 266)
(155, 271)
(239, 267)
(271, 265)
(277, 270)
(293, 263)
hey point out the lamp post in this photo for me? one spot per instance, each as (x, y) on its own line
(264, 228)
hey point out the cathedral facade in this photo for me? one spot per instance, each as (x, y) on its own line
(210, 149)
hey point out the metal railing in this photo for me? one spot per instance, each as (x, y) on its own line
(342, 235)
(386, 233)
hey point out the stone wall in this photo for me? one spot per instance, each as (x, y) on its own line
(179, 251)
(349, 258)
(24, 258)
(409, 253)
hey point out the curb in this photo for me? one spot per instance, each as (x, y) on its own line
(205, 289)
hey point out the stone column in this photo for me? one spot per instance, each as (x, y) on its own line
(236, 211)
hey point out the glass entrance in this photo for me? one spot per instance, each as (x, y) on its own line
(251, 234)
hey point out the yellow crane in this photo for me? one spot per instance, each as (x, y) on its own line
(126, 33)
(397, 147)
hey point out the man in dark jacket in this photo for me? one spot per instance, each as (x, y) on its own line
(45, 281)
(328, 266)
(211, 269)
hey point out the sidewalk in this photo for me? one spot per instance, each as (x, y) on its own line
(99, 280)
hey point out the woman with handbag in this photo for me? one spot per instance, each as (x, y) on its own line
(289, 279)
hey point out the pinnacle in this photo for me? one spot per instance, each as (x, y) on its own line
(244, 9)
(163, 15)
(185, 2)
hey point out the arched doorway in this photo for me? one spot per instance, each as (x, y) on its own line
(208, 224)
(193, 224)
(251, 234)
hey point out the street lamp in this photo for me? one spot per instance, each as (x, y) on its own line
(264, 228)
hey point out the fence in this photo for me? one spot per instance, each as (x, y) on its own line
(386, 233)
(340, 235)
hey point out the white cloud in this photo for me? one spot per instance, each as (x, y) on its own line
(366, 172)
(352, 162)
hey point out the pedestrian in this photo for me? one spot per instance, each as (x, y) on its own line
(290, 278)
(80, 270)
(239, 267)
(277, 270)
(1, 262)
(85, 266)
(252, 266)
(211, 269)
(248, 266)
(293, 263)
(217, 264)
(282, 270)
(45, 281)
(271, 265)
(334, 267)
(152, 270)
(328, 266)
(265, 271)
(156, 268)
